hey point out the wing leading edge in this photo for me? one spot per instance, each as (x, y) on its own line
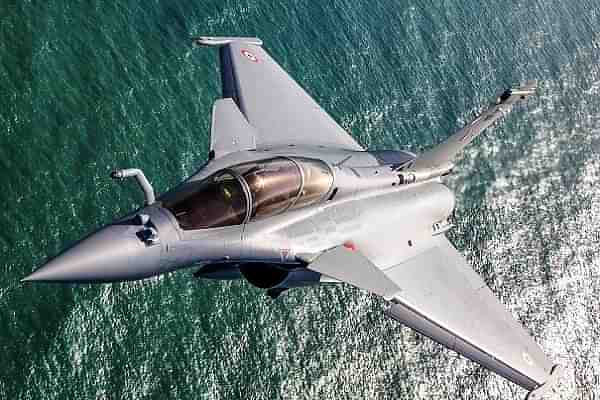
(279, 110)
(445, 153)
(438, 294)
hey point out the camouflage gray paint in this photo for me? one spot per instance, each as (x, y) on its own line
(288, 199)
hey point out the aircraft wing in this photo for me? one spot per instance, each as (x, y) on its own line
(278, 109)
(438, 294)
(445, 153)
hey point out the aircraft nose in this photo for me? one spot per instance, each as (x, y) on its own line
(114, 253)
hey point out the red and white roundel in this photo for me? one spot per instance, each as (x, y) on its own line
(249, 55)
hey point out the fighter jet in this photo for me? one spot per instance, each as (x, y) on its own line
(289, 199)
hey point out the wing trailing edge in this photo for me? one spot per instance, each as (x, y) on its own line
(437, 294)
(279, 109)
(443, 298)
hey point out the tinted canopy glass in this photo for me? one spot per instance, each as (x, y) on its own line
(249, 191)
(274, 185)
(216, 201)
(317, 181)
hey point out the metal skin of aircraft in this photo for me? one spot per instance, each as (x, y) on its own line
(289, 199)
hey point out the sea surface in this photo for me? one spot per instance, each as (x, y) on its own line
(88, 86)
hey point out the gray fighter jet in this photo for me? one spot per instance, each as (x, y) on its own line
(289, 199)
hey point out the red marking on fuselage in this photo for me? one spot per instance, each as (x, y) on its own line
(350, 246)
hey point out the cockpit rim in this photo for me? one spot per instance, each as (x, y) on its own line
(250, 212)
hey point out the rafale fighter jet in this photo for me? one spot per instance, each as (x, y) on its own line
(289, 199)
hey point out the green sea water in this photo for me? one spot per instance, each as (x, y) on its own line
(89, 86)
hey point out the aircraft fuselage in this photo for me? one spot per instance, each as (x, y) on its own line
(366, 198)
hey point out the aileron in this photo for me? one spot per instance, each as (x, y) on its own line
(444, 299)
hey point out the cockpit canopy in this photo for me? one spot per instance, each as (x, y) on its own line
(250, 191)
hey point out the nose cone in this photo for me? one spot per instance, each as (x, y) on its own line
(114, 253)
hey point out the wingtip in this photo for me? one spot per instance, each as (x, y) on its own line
(528, 87)
(516, 93)
(218, 41)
